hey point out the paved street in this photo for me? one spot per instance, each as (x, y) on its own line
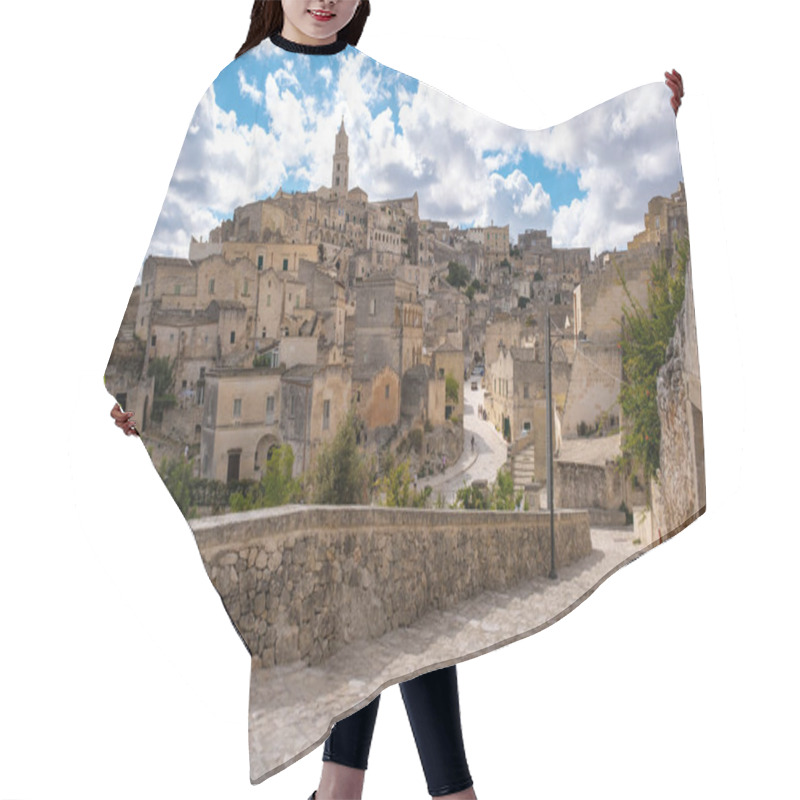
(291, 706)
(489, 455)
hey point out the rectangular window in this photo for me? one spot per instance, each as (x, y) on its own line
(177, 288)
(237, 408)
(326, 415)
(386, 391)
(211, 286)
(260, 263)
(270, 409)
(233, 337)
(285, 264)
(153, 340)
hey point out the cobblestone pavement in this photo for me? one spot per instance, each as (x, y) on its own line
(292, 707)
(491, 452)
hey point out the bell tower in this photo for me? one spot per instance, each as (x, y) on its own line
(341, 163)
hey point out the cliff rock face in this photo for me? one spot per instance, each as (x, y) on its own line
(679, 492)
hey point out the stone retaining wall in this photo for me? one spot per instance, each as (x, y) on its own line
(300, 582)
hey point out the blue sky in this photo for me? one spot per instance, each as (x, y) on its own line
(270, 120)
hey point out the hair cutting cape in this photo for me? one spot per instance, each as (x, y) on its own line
(362, 304)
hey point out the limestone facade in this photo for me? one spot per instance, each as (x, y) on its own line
(241, 421)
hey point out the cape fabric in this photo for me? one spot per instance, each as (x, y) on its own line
(361, 300)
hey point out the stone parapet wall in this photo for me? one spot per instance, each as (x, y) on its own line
(580, 485)
(301, 582)
(678, 494)
(588, 486)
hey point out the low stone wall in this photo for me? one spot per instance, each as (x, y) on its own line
(587, 486)
(607, 518)
(300, 582)
(679, 494)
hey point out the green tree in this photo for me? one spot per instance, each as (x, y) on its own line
(503, 497)
(341, 474)
(500, 496)
(646, 332)
(451, 389)
(398, 487)
(472, 498)
(178, 476)
(277, 487)
(396, 482)
(457, 274)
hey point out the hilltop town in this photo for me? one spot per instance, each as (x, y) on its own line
(303, 304)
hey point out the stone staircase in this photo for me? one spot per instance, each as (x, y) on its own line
(520, 454)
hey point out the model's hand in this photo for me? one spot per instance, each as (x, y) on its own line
(124, 420)
(675, 82)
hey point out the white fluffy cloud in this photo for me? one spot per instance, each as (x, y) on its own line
(215, 173)
(623, 152)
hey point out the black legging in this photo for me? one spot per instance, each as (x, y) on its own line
(431, 702)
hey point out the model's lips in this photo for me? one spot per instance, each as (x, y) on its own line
(321, 15)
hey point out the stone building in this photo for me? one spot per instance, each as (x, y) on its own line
(341, 164)
(514, 379)
(388, 325)
(376, 397)
(241, 422)
(444, 314)
(665, 221)
(314, 401)
(539, 255)
(448, 361)
(495, 241)
(327, 295)
(419, 276)
(422, 396)
(421, 235)
(598, 302)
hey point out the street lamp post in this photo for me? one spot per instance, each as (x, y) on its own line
(548, 387)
